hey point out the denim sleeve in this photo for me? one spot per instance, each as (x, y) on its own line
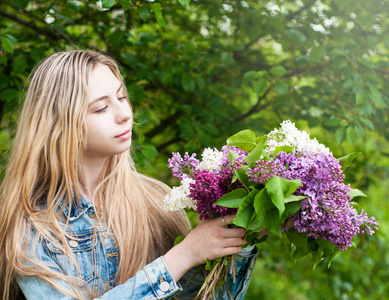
(152, 282)
(244, 265)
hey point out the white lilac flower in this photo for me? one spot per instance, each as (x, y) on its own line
(179, 197)
(289, 135)
(211, 160)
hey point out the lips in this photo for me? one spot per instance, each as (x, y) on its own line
(125, 135)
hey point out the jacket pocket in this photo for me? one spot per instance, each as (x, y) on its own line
(86, 254)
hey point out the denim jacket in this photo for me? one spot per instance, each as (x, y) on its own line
(154, 281)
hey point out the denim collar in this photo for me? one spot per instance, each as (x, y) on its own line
(77, 210)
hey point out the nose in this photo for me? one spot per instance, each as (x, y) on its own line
(124, 114)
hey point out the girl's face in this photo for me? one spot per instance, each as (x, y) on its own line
(109, 116)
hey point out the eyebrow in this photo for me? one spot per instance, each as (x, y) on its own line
(103, 97)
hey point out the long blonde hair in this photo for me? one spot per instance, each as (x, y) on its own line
(45, 166)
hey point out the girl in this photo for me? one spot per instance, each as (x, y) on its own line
(76, 220)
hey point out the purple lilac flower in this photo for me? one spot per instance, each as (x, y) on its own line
(182, 166)
(239, 161)
(263, 171)
(327, 212)
(208, 188)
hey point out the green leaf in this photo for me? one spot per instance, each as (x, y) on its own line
(126, 4)
(256, 153)
(368, 123)
(9, 94)
(179, 239)
(200, 82)
(184, 2)
(141, 139)
(317, 258)
(300, 240)
(279, 189)
(376, 96)
(242, 176)
(20, 65)
(296, 34)
(22, 3)
(294, 198)
(275, 187)
(187, 83)
(150, 152)
(157, 8)
(357, 193)
(116, 39)
(246, 211)
(316, 54)
(359, 99)
(244, 139)
(281, 88)
(291, 207)
(359, 130)
(272, 222)
(260, 86)
(262, 203)
(7, 44)
(351, 134)
(108, 3)
(144, 12)
(347, 160)
(339, 135)
(232, 199)
(330, 252)
(333, 121)
(232, 156)
(278, 70)
(250, 75)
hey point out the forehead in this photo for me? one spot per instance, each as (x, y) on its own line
(102, 82)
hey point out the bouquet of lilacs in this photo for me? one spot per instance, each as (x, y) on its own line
(284, 182)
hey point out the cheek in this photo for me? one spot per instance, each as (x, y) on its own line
(93, 133)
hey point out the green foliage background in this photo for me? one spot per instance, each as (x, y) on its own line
(200, 71)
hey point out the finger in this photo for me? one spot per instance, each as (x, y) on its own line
(231, 250)
(224, 222)
(233, 242)
(234, 232)
(227, 219)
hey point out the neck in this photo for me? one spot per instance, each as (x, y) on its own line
(91, 169)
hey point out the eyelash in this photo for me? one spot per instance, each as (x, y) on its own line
(101, 110)
(104, 108)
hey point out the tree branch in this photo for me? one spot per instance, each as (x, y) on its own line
(257, 107)
(161, 147)
(165, 123)
(297, 12)
(288, 17)
(49, 31)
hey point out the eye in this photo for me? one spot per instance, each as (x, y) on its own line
(122, 98)
(101, 109)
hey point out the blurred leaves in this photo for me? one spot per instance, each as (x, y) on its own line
(198, 72)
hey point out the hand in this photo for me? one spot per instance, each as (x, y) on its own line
(209, 240)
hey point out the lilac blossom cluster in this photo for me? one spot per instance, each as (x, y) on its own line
(210, 179)
(182, 167)
(207, 189)
(263, 171)
(327, 212)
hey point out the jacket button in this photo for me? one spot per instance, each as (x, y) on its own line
(164, 286)
(73, 243)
